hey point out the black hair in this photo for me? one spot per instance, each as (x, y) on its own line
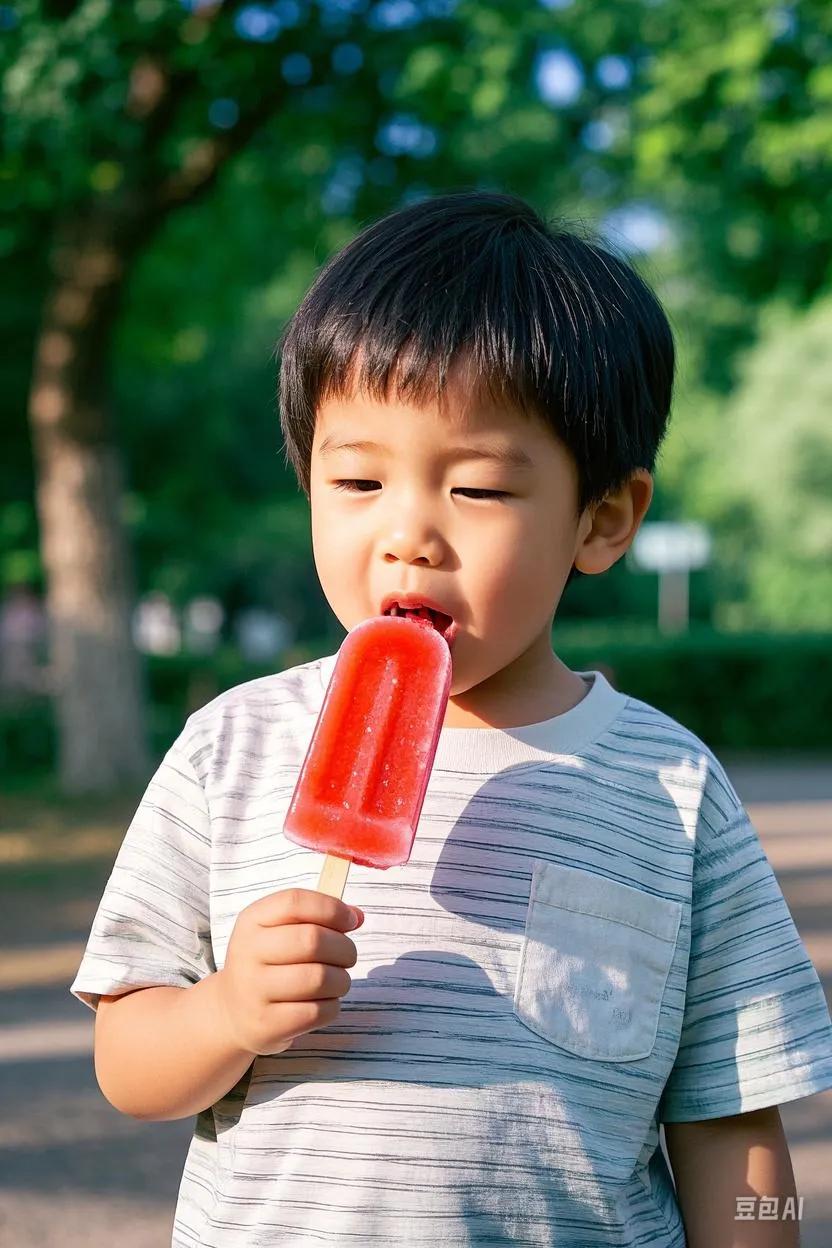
(556, 324)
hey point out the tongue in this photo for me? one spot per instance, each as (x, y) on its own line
(420, 613)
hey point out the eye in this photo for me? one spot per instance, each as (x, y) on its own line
(351, 487)
(348, 486)
(487, 493)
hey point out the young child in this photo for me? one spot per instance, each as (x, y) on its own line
(587, 941)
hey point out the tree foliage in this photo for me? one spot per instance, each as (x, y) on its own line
(734, 130)
(772, 473)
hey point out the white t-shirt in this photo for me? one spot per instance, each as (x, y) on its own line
(586, 941)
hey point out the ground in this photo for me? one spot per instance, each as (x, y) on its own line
(76, 1174)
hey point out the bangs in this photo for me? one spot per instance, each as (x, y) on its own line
(431, 313)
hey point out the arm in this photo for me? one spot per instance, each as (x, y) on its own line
(163, 1053)
(717, 1160)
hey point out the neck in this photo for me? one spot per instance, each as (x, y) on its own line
(514, 697)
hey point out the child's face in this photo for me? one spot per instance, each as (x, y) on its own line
(497, 565)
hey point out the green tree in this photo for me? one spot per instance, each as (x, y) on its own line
(769, 474)
(732, 132)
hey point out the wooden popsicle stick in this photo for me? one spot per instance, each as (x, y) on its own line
(333, 875)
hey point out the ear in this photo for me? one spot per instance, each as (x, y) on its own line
(607, 530)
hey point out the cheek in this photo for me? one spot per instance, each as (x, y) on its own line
(522, 564)
(327, 549)
(520, 544)
(325, 522)
(339, 556)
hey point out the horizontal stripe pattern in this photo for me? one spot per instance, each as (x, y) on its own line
(454, 1100)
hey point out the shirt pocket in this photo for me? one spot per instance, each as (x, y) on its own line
(594, 962)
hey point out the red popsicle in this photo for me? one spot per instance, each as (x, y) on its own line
(360, 791)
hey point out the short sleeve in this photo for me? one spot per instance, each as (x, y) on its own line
(152, 926)
(756, 1029)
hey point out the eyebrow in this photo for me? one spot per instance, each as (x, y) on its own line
(512, 456)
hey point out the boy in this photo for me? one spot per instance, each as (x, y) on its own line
(588, 939)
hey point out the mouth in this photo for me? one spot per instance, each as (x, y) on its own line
(438, 620)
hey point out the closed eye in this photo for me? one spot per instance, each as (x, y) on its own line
(351, 487)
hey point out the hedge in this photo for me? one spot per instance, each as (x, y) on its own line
(737, 691)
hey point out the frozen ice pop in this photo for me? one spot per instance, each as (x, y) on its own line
(360, 790)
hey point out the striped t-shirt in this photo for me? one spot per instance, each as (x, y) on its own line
(586, 941)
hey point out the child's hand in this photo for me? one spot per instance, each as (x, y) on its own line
(284, 969)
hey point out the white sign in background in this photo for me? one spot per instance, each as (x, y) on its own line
(673, 549)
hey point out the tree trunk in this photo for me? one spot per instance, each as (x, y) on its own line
(97, 679)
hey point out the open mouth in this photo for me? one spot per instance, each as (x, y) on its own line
(443, 624)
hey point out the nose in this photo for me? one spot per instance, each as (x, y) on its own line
(407, 548)
(412, 536)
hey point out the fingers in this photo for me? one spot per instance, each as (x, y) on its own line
(304, 983)
(304, 905)
(303, 942)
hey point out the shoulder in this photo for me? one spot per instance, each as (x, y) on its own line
(273, 695)
(660, 755)
(254, 716)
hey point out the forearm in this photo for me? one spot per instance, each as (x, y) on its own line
(163, 1053)
(746, 1155)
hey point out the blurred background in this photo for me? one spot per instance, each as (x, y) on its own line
(173, 176)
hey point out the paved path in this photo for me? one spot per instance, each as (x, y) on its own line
(76, 1174)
